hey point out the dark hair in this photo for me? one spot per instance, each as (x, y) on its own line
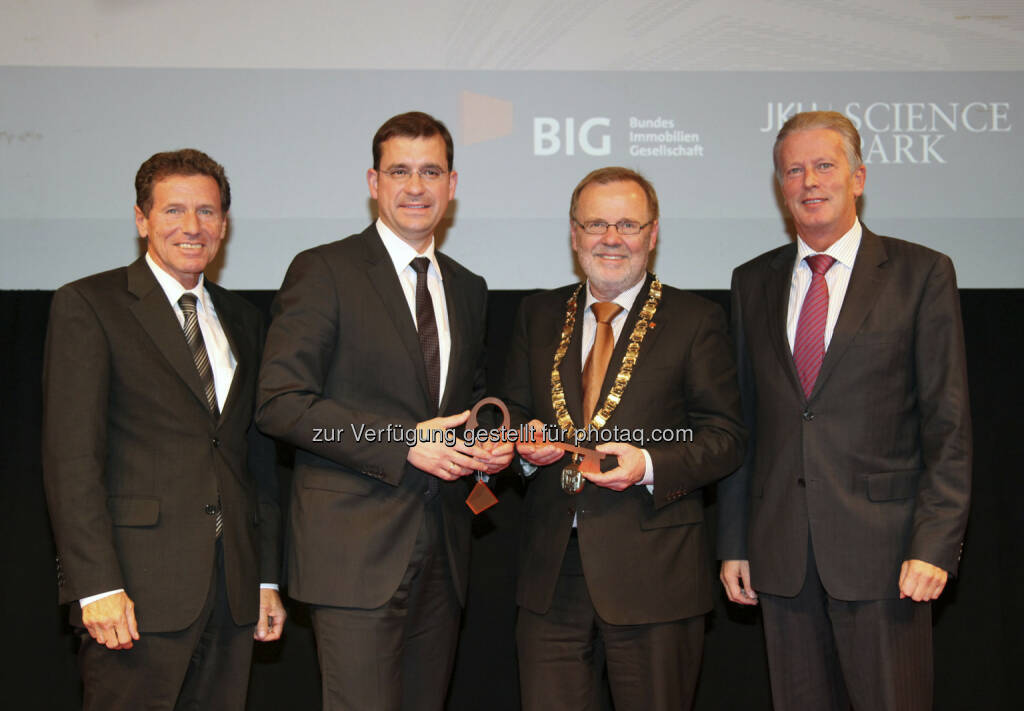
(414, 124)
(186, 161)
(812, 120)
(615, 174)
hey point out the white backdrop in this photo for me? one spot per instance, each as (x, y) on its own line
(536, 94)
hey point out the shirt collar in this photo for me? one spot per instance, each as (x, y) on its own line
(844, 249)
(625, 299)
(173, 288)
(400, 251)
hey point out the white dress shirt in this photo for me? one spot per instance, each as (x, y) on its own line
(837, 278)
(401, 256)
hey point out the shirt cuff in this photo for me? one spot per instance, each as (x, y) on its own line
(528, 469)
(648, 479)
(93, 598)
(269, 586)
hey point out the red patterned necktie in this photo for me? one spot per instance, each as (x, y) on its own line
(809, 344)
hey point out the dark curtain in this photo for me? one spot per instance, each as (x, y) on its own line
(978, 621)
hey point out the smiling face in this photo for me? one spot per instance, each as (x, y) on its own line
(412, 209)
(185, 225)
(613, 262)
(818, 185)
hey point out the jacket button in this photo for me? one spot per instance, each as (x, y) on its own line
(215, 441)
(210, 509)
(808, 415)
(800, 482)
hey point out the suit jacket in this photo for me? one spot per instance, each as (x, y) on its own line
(644, 556)
(342, 352)
(876, 465)
(132, 455)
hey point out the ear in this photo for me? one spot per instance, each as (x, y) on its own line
(224, 226)
(141, 223)
(859, 176)
(453, 179)
(371, 181)
(572, 235)
(654, 236)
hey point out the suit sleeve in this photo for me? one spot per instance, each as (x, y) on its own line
(262, 462)
(943, 494)
(299, 355)
(76, 376)
(734, 490)
(712, 412)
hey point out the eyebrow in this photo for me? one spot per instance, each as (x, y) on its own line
(394, 166)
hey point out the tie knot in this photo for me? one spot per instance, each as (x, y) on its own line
(820, 263)
(420, 265)
(605, 311)
(187, 302)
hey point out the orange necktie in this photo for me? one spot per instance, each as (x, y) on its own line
(600, 354)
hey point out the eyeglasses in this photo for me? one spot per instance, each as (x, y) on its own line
(427, 175)
(623, 227)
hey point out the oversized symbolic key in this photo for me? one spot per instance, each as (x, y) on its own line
(583, 461)
(481, 497)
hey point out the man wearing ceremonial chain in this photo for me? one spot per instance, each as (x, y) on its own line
(618, 555)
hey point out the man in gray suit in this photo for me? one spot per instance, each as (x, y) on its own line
(163, 496)
(373, 358)
(848, 515)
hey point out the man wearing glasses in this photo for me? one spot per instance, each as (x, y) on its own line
(374, 354)
(619, 555)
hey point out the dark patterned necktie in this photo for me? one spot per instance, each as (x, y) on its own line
(426, 328)
(194, 336)
(809, 343)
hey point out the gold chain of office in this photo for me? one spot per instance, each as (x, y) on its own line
(643, 322)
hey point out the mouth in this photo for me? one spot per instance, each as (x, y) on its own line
(191, 246)
(612, 257)
(813, 201)
(415, 206)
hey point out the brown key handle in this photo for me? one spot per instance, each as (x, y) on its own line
(472, 424)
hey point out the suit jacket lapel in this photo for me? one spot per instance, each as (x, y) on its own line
(238, 340)
(571, 369)
(156, 315)
(622, 342)
(381, 273)
(777, 285)
(458, 318)
(861, 294)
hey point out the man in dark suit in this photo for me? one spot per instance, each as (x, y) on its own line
(849, 512)
(647, 371)
(373, 357)
(162, 494)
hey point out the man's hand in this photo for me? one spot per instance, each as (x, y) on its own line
(272, 616)
(539, 453)
(499, 454)
(630, 470)
(111, 621)
(735, 577)
(435, 457)
(920, 581)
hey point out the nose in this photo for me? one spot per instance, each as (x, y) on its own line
(416, 183)
(810, 178)
(611, 235)
(191, 223)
